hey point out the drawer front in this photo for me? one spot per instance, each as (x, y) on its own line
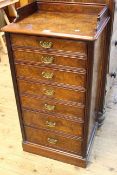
(53, 123)
(51, 60)
(50, 91)
(53, 140)
(48, 43)
(52, 107)
(50, 75)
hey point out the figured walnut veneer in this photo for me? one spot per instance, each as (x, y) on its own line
(58, 53)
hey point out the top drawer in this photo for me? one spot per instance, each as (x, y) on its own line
(48, 43)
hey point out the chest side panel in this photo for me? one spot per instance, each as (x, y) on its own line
(97, 81)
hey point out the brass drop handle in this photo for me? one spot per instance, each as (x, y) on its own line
(47, 59)
(49, 107)
(50, 124)
(47, 75)
(46, 44)
(52, 141)
(48, 92)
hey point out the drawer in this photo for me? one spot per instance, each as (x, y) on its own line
(52, 92)
(50, 59)
(52, 106)
(53, 123)
(48, 43)
(53, 140)
(51, 75)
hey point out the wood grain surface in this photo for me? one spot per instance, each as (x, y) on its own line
(83, 29)
(59, 107)
(51, 92)
(36, 73)
(39, 58)
(92, 21)
(53, 123)
(62, 143)
(57, 44)
(14, 161)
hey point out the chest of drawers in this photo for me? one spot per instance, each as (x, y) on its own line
(58, 55)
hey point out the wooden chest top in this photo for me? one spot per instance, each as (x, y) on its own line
(74, 20)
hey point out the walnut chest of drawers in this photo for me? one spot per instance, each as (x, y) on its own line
(58, 55)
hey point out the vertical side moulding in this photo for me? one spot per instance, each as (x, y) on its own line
(14, 80)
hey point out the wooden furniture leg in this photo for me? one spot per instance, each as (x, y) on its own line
(13, 13)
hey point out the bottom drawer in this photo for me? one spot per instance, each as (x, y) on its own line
(42, 137)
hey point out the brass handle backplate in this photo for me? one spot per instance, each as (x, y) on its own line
(47, 59)
(47, 75)
(50, 124)
(46, 44)
(52, 141)
(48, 92)
(49, 107)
